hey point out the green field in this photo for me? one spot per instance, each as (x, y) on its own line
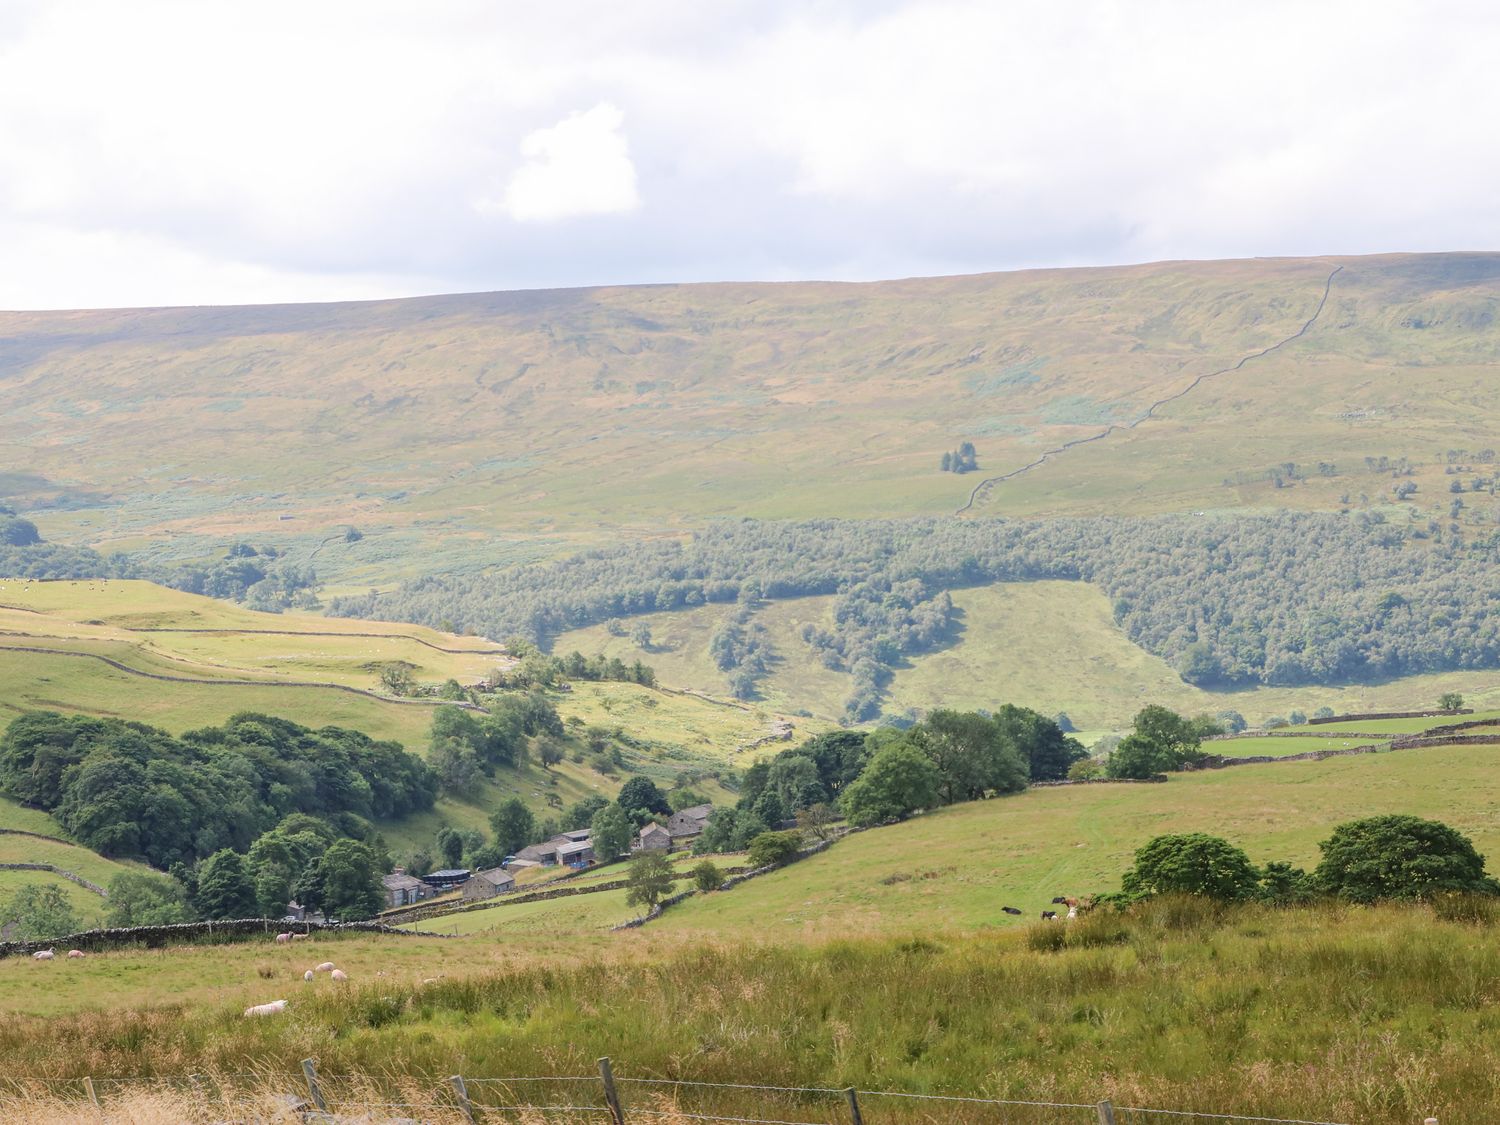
(955, 869)
(1052, 646)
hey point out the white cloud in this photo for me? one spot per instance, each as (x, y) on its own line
(580, 166)
(168, 151)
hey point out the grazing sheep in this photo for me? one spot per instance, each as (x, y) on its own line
(338, 974)
(299, 937)
(275, 1007)
(325, 967)
(1010, 910)
(75, 953)
(43, 955)
(1072, 912)
(1049, 915)
(307, 975)
(283, 939)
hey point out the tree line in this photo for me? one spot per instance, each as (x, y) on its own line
(1286, 599)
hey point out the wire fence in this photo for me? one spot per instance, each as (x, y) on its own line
(314, 1097)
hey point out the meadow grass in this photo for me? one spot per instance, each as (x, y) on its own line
(955, 868)
(1364, 1015)
(1050, 645)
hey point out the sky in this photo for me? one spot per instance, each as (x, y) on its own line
(190, 152)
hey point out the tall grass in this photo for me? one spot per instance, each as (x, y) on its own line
(1340, 1014)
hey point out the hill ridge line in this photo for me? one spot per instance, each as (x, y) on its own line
(1155, 406)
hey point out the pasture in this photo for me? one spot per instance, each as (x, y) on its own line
(1053, 646)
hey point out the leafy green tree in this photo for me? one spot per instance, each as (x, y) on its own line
(1285, 885)
(650, 879)
(1399, 857)
(1161, 741)
(681, 799)
(139, 899)
(225, 888)
(611, 833)
(899, 780)
(1192, 863)
(40, 912)
(348, 881)
(1450, 701)
(1048, 752)
(707, 877)
(450, 846)
(581, 812)
(641, 800)
(973, 755)
(396, 678)
(513, 825)
(1086, 769)
(1231, 721)
(774, 848)
(456, 765)
(1323, 713)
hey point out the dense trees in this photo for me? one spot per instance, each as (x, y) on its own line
(225, 888)
(611, 833)
(641, 800)
(143, 899)
(1288, 599)
(126, 789)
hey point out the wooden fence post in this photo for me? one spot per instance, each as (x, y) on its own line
(310, 1071)
(88, 1088)
(854, 1114)
(611, 1096)
(465, 1106)
(1106, 1113)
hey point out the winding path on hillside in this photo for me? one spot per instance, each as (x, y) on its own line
(990, 482)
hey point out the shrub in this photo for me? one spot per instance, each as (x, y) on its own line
(1192, 863)
(1394, 857)
(774, 848)
(1097, 928)
(1086, 770)
(707, 877)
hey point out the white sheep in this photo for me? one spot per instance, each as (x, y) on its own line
(325, 967)
(75, 953)
(275, 1007)
(43, 955)
(299, 937)
(338, 974)
(283, 939)
(307, 975)
(1072, 912)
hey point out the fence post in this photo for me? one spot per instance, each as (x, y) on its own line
(611, 1096)
(88, 1088)
(854, 1114)
(310, 1071)
(465, 1106)
(1106, 1113)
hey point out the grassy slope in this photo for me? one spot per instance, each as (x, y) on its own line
(672, 732)
(959, 866)
(1053, 646)
(1368, 1016)
(575, 416)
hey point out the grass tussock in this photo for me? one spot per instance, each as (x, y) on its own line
(1334, 1014)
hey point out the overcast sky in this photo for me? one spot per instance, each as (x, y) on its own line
(194, 152)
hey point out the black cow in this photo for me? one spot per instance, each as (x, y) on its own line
(1010, 910)
(1048, 915)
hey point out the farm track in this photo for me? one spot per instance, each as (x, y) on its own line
(983, 486)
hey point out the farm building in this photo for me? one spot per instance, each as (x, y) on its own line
(654, 838)
(575, 853)
(689, 822)
(402, 889)
(447, 879)
(488, 884)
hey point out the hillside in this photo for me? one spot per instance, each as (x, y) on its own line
(1050, 645)
(178, 661)
(553, 419)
